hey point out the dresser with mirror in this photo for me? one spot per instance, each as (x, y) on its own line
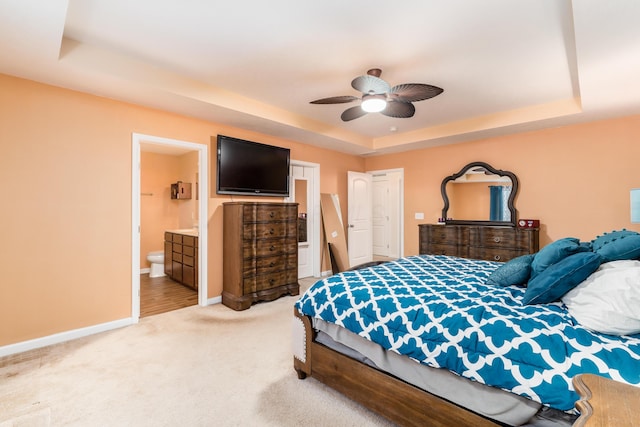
(479, 218)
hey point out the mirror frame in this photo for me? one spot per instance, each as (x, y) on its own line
(510, 203)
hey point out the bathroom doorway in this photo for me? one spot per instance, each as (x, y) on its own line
(189, 215)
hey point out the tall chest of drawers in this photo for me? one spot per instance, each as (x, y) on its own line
(260, 252)
(493, 243)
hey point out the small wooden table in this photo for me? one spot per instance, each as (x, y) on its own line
(606, 403)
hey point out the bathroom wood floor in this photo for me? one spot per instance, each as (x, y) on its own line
(161, 294)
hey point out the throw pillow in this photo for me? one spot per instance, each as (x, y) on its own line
(608, 301)
(561, 277)
(555, 252)
(513, 272)
(617, 245)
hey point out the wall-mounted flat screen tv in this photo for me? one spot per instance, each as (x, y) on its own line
(246, 167)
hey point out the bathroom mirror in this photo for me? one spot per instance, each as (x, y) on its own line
(480, 194)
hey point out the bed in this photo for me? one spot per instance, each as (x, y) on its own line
(432, 340)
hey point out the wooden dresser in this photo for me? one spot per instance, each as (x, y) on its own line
(260, 252)
(181, 258)
(493, 243)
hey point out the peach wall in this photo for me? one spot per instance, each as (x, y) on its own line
(575, 179)
(68, 154)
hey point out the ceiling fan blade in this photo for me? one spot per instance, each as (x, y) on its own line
(412, 92)
(370, 85)
(335, 100)
(352, 113)
(400, 110)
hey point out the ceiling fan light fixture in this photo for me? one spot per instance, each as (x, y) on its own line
(374, 103)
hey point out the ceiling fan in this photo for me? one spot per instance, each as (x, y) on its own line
(379, 96)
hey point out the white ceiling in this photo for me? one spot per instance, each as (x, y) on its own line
(505, 66)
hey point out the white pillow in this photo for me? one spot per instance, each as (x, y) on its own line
(608, 301)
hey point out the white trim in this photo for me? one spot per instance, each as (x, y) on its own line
(214, 300)
(145, 271)
(64, 336)
(203, 214)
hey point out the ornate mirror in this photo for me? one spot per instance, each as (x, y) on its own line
(480, 194)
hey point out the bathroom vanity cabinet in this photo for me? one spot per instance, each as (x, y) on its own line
(260, 252)
(181, 258)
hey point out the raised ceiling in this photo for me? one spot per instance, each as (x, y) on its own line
(506, 66)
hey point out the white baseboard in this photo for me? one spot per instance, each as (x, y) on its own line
(214, 300)
(145, 270)
(63, 336)
(326, 273)
(58, 338)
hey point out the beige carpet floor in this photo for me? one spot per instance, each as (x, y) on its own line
(198, 366)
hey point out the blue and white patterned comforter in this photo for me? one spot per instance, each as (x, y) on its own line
(439, 311)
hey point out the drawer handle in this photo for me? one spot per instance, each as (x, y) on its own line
(497, 239)
(272, 214)
(272, 281)
(496, 257)
(272, 248)
(272, 231)
(271, 264)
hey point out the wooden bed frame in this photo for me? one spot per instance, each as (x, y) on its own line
(386, 395)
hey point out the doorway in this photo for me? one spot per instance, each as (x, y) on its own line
(305, 190)
(375, 215)
(167, 145)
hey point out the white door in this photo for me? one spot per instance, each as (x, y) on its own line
(360, 226)
(380, 218)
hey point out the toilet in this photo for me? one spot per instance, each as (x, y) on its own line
(156, 258)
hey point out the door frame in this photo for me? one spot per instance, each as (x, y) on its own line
(203, 190)
(315, 223)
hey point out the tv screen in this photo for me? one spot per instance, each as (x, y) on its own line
(246, 167)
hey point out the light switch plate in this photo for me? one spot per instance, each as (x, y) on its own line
(419, 215)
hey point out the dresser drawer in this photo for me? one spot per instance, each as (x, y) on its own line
(450, 250)
(267, 212)
(438, 234)
(268, 281)
(188, 250)
(265, 265)
(495, 254)
(253, 231)
(270, 247)
(495, 237)
(277, 263)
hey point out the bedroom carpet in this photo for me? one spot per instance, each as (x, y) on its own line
(197, 366)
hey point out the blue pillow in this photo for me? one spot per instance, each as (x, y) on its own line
(617, 245)
(555, 252)
(561, 277)
(513, 272)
